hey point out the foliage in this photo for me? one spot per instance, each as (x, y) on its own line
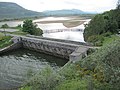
(105, 65)
(110, 39)
(99, 71)
(102, 66)
(31, 28)
(5, 41)
(69, 71)
(118, 4)
(72, 85)
(19, 33)
(1, 36)
(108, 22)
(4, 26)
(46, 79)
(97, 40)
(38, 32)
(25, 88)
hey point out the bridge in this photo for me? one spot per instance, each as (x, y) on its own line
(61, 30)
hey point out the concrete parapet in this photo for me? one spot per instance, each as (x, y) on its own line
(78, 54)
(60, 48)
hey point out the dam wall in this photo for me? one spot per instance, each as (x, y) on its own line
(60, 48)
(51, 47)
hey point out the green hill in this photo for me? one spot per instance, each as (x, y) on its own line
(13, 10)
(10, 10)
(64, 12)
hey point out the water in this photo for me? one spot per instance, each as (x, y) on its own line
(50, 26)
(14, 66)
(52, 19)
(68, 35)
(11, 23)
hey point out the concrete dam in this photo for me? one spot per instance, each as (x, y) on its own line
(61, 48)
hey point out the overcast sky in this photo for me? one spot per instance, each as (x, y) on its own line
(85, 5)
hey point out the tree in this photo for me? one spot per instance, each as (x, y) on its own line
(95, 27)
(118, 4)
(101, 24)
(4, 26)
(31, 28)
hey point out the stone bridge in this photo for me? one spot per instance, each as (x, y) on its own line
(61, 48)
(61, 30)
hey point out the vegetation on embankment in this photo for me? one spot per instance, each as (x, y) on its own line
(98, 71)
(102, 25)
(31, 28)
(5, 40)
(28, 27)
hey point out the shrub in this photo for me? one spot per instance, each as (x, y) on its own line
(31, 28)
(6, 40)
(105, 62)
(72, 85)
(103, 23)
(107, 34)
(46, 79)
(97, 40)
(38, 32)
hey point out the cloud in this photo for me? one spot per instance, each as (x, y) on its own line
(86, 5)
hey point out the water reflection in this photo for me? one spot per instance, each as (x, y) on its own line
(67, 35)
(15, 66)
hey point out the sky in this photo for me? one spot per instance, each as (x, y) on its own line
(85, 5)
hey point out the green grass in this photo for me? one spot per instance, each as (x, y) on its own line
(110, 39)
(73, 85)
(25, 88)
(5, 41)
(19, 33)
(1, 36)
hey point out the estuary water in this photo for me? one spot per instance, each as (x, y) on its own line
(66, 35)
(16, 65)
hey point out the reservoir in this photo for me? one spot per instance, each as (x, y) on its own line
(52, 23)
(16, 65)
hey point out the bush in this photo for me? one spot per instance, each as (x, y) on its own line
(37, 32)
(73, 85)
(105, 62)
(5, 41)
(97, 40)
(31, 28)
(4, 26)
(46, 79)
(103, 24)
(107, 34)
(1, 36)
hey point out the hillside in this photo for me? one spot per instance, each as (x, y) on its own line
(13, 10)
(64, 12)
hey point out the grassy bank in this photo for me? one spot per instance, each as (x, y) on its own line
(5, 40)
(98, 71)
(18, 33)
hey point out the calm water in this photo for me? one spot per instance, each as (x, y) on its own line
(70, 35)
(66, 35)
(14, 66)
